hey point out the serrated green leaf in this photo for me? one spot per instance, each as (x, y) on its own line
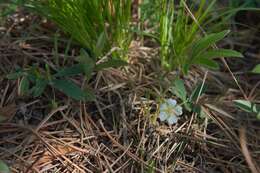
(256, 69)
(115, 63)
(70, 89)
(247, 106)
(70, 71)
(207, 41)
(4, 168)
(179, 89)
(24, 86)
(39, 87)
(218, 53)
(211, 64)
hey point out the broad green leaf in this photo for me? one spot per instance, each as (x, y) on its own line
(4, 168)
(24, 86)
(70, 89)
(218, 53)
(39, 87)
(256, 69)
(70, 71)
(179, 89)
(207, 41)
(211, 64)
(111, 63)
(197, 92)
(247, 106)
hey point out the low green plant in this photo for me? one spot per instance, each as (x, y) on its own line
(4, 168)
(189, 101)
(9, 7)
(33, 80)
(248, 107)
(243, 3)
(96, 25)
(182, 42)
(256, 69)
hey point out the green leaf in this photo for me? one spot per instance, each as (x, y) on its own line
(89, 95)
(39, 87)
(4, 168)
(179, 89)
(14, 76)
(111, 63)
(87, 63)
(71, 89)
(218, 53)
(207, 41)
(256, 69)
(70, 71)
(258, 116)
(197, 109)
(24, 86)
(211, 64)
(197, 92)
(101, 43)
(247, 106)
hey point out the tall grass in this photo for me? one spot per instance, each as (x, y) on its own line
(96, 24)
(183, 42)
(178, 32)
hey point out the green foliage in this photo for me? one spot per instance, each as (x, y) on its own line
(8, 7)
(190, 103)
(70, 89)
(96, 25)
(182, 43)
(248, 106)
(179, 89)
(256, 69)
(4, 168)
(243, 3)
(24, 85)
(35, 80)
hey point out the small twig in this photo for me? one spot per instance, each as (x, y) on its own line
(246, 152)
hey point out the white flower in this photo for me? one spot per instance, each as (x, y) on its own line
(170, 111)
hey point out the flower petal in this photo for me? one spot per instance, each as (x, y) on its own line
(172, 120)
(163, 116)
(163, 107)
(178, 110)
(171, 102)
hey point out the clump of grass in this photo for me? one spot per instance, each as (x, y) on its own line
(183, 43)
(96, 25)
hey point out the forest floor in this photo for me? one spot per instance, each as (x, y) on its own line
(118, 131)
